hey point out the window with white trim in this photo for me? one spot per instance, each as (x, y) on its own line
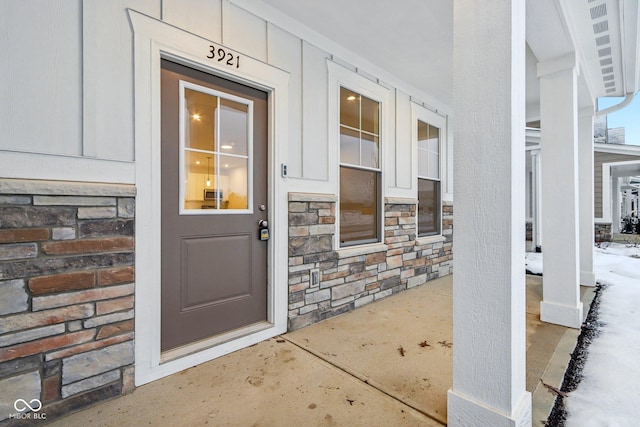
(216, 148)
(429, 186)
(360, 171)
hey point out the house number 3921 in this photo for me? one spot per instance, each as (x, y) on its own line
(218, 53)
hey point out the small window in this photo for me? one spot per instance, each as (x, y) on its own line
(359, 169)
(216, 150)
(429, 196)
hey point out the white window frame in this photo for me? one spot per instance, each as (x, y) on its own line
(217, 152)
(420, 113)
(339, 76)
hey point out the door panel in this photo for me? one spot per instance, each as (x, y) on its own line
(232, 282)
(214, 267)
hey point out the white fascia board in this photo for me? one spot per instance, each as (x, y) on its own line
(629, 150)
(629, 18)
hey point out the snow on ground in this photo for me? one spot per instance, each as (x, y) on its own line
(609, 393)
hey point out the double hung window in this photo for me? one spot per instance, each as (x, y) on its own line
(429, 191)
(360, 170)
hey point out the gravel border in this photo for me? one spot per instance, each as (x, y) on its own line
(590, 329)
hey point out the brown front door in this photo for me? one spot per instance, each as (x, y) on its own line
(214, 193)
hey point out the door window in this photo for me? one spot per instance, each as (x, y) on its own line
(216, 146)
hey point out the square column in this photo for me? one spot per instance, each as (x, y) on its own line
(586, 211)
(559, 166)
(489, 372)
(616, 200)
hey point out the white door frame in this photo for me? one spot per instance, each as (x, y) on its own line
(154, 40)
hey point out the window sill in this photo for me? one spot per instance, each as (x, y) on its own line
(427, 240)
(366, 249)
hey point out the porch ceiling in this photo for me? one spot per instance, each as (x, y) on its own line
(413, 39)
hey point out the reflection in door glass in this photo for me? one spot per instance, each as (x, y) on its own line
(217, 147)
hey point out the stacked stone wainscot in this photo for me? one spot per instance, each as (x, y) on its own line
(603, 232)
(66, 294)
(351, 277)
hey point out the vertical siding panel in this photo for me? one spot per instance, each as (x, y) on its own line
(597, 185)
(244, 31)
(285, 52)
(112, 83)
(41, 76)
(403, 143)
(201, 17)
(315, 161)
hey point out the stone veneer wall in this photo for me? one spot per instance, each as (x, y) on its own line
(529, 231)
(66, 295)
(352, 277)
(603, 232)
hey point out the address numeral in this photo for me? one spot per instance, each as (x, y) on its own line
(221, 55)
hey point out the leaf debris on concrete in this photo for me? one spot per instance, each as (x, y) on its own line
(554, 390)
(445, 343)
(424, 344)
(401, 351)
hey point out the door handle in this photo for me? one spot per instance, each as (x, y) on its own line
(263, 223)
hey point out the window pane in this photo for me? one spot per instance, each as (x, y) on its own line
(423, 131)
(428, 207)
(199, 174)
(234, 119)
(358, 206)
(434, 139)
(370, 115)
(233, 182)
(369, 151)
(200, 120)
(434, 165)
(349, 146)
(349, 108)
(428, 151)
(423, 161)
(423, 157)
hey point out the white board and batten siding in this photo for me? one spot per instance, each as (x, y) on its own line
(68, 90)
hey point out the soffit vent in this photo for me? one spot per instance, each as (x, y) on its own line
(598, 11)
(603, 44)
(604, 52)
(600, 27)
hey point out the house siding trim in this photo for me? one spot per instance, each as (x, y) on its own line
(154, 39)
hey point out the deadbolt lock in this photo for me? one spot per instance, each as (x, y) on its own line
(264, 230)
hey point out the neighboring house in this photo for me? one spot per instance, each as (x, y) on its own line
(244, 168)
(615, 167)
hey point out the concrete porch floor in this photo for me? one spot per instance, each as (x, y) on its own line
(366, 367)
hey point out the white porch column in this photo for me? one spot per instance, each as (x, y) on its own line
(559, 166)
(585, 179)
(488, 280)
(616, 201)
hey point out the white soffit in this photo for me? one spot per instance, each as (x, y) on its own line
(596, 25)
(411, 39)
